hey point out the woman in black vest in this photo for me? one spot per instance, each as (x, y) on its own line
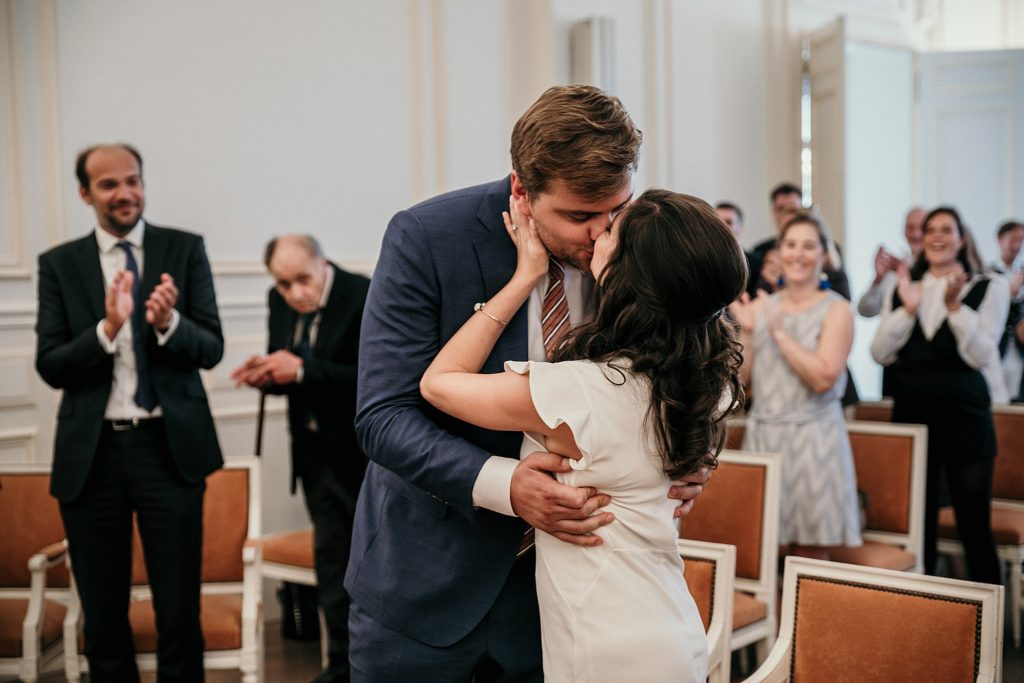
(939, 328)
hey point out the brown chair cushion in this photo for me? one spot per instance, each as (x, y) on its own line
(850, 632)
(871, 413)
(12, 616)
(221, 617)
(883, 465)
(874, 554)
(1007, 525)
(729, 511)
(30, 520)
(225, 528)
(700, 579)
(747, 610)
(291, 547)
(1008, 476)
(734, 436)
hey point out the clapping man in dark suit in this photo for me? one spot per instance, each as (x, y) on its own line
(315, 313)
(127, 316)
(441, 577)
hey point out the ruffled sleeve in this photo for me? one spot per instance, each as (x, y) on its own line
(560, 395)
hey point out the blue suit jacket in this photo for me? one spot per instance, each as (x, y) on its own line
(424, 562)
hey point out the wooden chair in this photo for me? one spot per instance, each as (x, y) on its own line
(740, 507)
(288, 556)
(1007, 508)
(710, 571)
(890, 461)
(231, 590)
(845, 623)
(871, 411)
(33, 581)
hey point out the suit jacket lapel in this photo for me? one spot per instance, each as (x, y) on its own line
(93, 284)
(153, 252)
(496, 256)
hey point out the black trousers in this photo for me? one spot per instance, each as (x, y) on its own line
(969, 487)
(331, 507)
(133, 473)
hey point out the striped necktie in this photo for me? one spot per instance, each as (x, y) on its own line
(554, 314)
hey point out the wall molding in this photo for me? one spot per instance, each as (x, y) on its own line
(23, 362)
(11, 439)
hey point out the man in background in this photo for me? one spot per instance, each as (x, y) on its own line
(732, 216)
(870, 303)
(313, 344)
(127, 317)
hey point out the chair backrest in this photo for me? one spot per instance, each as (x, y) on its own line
(890, 461)
(871, 411)
(29, 521)
(846, 622)
(231, 515)
(710, 571)
(740, 507)
(1008, 477)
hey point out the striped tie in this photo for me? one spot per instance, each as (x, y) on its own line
(554, 314)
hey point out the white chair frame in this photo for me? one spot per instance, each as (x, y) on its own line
(776, 668)
(303, 576)
(247, 658)
(913, 539)
(720, 626)
(35, 659)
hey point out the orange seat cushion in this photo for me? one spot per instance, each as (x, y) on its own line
(747, 610)
(12, 616)
(883, 464)
(846, 631)
(1008, 475)
(221, 617)
(700, 579)
(1007, 525)
(291, 547)
(874, 554)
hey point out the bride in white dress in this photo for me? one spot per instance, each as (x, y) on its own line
(633, 403)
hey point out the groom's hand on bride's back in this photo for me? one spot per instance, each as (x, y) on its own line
(687, 489)
(565, 512)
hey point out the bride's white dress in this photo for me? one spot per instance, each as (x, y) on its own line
(620, 611)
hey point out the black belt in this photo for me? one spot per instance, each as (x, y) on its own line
(133, 423)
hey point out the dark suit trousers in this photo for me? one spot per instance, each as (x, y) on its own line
(331, 509)
(133, 472)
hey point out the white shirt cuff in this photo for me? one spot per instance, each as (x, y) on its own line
(493, 485)
(162, 337)
(108, 345)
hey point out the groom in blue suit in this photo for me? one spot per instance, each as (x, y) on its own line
(441, 576)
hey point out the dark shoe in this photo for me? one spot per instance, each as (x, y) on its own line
(333, 674)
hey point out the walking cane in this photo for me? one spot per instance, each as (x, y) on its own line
(259, 423)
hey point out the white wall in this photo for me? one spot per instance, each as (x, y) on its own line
(258, 117)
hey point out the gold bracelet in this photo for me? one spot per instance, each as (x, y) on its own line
(480, 307)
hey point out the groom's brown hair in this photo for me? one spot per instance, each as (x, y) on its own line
(577, 134)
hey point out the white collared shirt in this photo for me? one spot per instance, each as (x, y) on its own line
(121, 403)
(493, 483)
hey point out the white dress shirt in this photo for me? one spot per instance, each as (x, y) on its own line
(121, 403)
(494, 481)
(977, 333)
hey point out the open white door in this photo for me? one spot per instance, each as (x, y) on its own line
(970, 142)
(828, 124)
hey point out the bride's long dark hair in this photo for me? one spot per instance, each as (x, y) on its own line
(659, 314)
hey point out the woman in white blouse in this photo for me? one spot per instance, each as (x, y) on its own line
(940, 328)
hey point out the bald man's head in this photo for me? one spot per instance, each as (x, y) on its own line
(299, 269)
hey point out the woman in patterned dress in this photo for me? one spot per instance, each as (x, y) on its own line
(796, 342)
